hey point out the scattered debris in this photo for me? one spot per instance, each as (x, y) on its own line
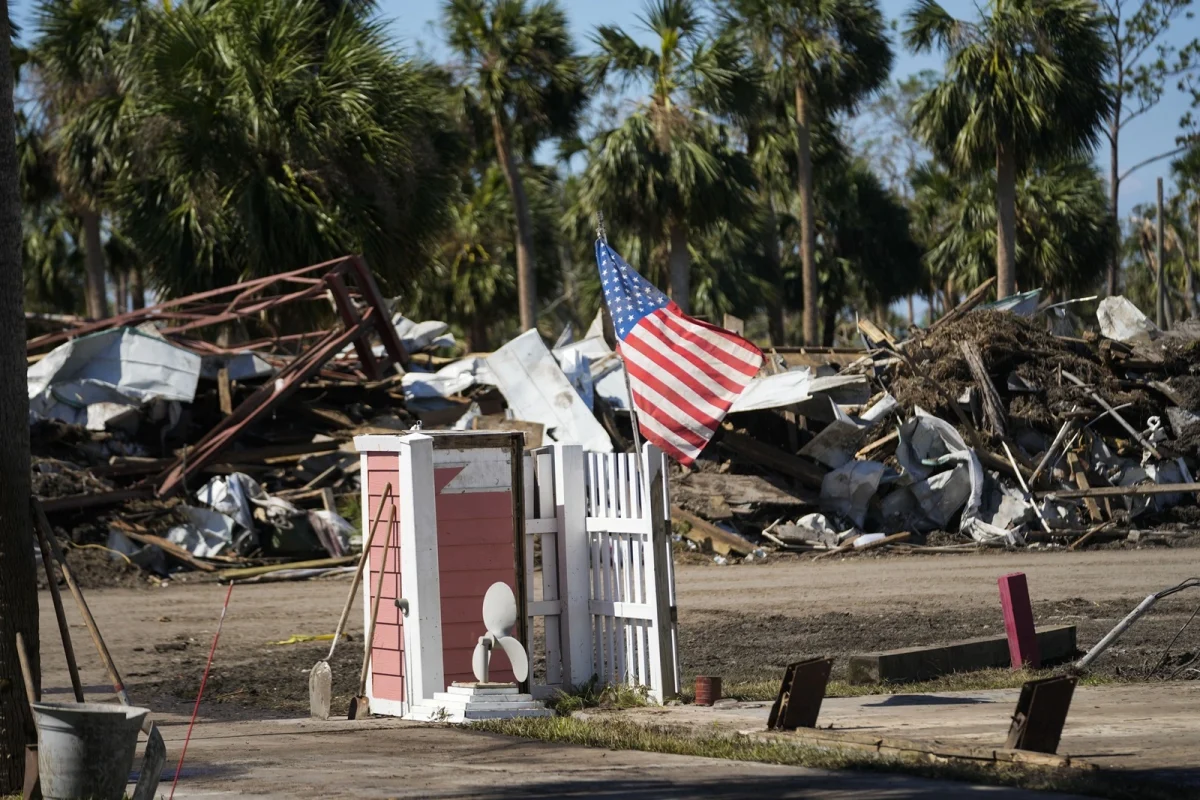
(205, 435)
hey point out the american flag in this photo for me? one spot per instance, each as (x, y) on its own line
(684, 374)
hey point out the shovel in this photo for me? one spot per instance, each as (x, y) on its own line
(320, 680)
(360, 706)
(156, 749)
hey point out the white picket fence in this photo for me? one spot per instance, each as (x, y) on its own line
(606, 594)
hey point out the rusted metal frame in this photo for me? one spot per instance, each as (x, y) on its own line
(350, 318)
(369, 290)
(275, 301)
(181, 305)
(267, 397)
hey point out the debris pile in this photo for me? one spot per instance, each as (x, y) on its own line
(215, 431)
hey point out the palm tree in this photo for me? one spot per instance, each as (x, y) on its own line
(78, 58)
(269, 135)
(18, 585)
(1024, 83)
(669, 170)
(1063, 234)
(526, 78)
(831, 54)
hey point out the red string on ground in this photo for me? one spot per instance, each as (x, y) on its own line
(203, 682)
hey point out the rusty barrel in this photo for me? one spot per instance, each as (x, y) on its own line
(708, 690)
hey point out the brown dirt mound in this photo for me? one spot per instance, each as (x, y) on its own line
(1009, 345)
(99, 569)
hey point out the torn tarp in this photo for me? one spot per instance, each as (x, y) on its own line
(121, 368)
(928, 442)
(847, 491)
(1121, 320)
(798, 386)
(206, 533)
(537, 390)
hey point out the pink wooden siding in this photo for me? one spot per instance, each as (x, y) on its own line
(475, 549)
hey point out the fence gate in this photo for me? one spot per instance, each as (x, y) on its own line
(605, 593)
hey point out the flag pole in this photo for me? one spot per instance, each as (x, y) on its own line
(602, 235)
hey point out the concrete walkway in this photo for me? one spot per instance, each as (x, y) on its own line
(392, 759)
(1151, 729)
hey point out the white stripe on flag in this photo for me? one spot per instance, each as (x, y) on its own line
(680, 343)
(638, 358)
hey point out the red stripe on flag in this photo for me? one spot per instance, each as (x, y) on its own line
(650, 409)
(639, 374)
(747, 365)
(678, 353)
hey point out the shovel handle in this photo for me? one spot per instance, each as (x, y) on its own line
(362, 563)
(370, 640)
(26, 672)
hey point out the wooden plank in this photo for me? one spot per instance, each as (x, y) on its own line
(806, 472)
(973, 299)
(722, 542)
(993, 408)
(224, 391)
(173, 550)
(1124, 491)
(1079, 475)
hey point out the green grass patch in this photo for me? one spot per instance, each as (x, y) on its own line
(956, 682)
(620, 734)
(590, 695)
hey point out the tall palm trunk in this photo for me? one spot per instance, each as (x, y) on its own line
(122, 296)
(97, 299)
(829, 326)
(775, 321)
(137, 289)
(1114, 194)
(912, 317)
(680, 261)
(526, 280)
(18, 585)
(1006, 222)
(808, 239)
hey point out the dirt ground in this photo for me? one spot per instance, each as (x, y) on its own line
(742, 622)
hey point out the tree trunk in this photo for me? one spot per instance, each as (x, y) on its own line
(808, 240)
(137, 288)
(680, 261)
(477, 334)
(1006, 222)
(18, 570)
(121, 280)
(97, 298)
(526, 279)
(1114, 196)
(775, 322)
(912, 316)
(829, 326)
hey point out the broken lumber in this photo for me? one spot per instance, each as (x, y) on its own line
(804, 471)
(250, 572)
(973, 299)
(993, 407)
(1123, 491)
(170, 548)
(1100, 401)
(1079, 475)
(702, 532)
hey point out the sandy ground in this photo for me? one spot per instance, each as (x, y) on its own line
(742, 622)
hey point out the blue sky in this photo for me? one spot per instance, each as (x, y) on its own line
(414, 23)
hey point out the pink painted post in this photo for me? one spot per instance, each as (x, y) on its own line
(1018, 621)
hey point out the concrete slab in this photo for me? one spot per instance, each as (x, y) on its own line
(394, 759)
(1055, 643)
(1150, 729)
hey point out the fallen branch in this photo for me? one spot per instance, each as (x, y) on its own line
(701, 532)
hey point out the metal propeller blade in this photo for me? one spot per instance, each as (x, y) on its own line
(500, 610)
(516, 657)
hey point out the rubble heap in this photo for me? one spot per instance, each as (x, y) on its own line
(198, 435)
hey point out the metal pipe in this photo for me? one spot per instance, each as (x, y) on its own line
(1116, 632)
